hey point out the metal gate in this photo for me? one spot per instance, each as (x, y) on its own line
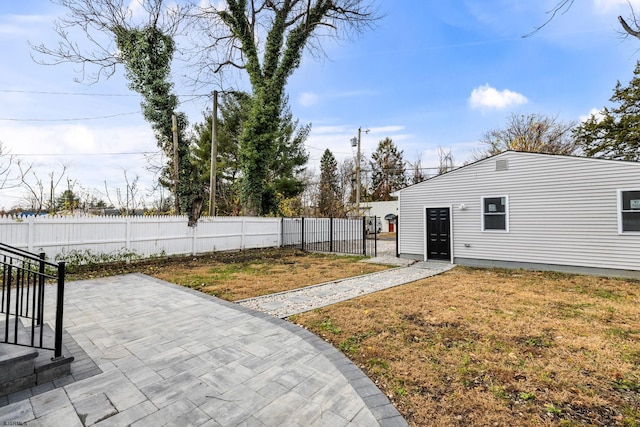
(357, 236)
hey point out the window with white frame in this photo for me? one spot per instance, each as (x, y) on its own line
(630, 210)
(495, 213)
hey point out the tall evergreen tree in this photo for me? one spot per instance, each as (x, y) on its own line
(387, 170)
(284, 181)
(232, 113)
(329, 204)
(615, 133)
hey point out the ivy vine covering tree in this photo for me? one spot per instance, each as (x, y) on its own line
(147, 54)
(266, 39)
(615, 133)
(146, 50)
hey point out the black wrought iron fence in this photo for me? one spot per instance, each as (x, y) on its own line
(357, 236)
(24, 276)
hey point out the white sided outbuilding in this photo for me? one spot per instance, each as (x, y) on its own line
(528, 210)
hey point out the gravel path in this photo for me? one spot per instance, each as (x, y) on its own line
(285, 304)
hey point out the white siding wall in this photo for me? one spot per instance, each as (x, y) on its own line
(562, 211)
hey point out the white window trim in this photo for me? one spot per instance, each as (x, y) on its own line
(506, 214)
(619, 207)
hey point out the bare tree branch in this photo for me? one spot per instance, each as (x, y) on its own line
(562, 7)
(217, 47)
(97, 20)
(6, 162)
(628, 29)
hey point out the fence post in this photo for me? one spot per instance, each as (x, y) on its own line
(194, 240)
(331, 234)
(30, 232)
(127, 237)
(281, 231)
(364, 235)
(375, 237)
(59, 311)
(397, 220)
(242, 224)
(302, 233)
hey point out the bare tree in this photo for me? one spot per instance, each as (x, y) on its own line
(347, 183)
(40, 194)
(446, 160)
(126, 201)
(536, 133)
(415, 171)
(311, 191)
(7, 160)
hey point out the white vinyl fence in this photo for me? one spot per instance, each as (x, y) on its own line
(144, 235)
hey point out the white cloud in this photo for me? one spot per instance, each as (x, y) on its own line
(597, 114)
(21, 25)
(307, 99)
(485, 97)
(84, 150)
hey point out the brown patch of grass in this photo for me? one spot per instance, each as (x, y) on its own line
(497, 347)
(242, 274)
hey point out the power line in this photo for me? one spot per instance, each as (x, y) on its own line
(43, 92)
(13, 119)
(132, 153)
(10, 119)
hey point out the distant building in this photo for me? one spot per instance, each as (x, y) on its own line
(382, 210)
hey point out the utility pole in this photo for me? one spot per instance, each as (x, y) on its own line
(356, 142)
(358, 172)
(214, 155)
(174, 128)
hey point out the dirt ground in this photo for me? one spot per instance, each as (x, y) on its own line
(476, 347)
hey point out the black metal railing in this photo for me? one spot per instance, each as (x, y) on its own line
(357, 236)
(24, 276)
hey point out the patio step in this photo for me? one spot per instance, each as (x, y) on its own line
(23, 367)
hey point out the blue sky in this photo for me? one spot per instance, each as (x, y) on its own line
(431, 74)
